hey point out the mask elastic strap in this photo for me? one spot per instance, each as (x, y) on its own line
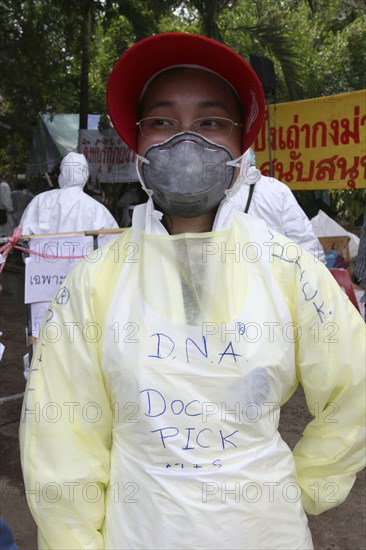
(138, 216)
(149, 192)
(141, 159)
(236, 163)
(239, 162)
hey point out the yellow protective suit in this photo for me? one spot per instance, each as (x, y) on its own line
(151, 413)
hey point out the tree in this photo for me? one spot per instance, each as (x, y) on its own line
(37, 59)
(50, 56)
(86, 30)
(210, 11)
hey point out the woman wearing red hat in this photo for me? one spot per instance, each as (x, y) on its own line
(151, 415)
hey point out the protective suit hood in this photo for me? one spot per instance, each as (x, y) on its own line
(67, 209)
(74, 171)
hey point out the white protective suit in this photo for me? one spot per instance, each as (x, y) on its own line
(151, 413)
(274, 202)
(21, 198)
(67, 209)
(7, 228)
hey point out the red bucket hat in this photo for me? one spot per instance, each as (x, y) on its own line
(152, 55)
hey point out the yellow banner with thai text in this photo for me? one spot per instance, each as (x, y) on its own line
(316, 143)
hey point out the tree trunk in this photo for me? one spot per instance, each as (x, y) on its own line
(210, 20)
(84, 80)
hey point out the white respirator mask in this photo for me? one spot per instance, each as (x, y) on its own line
(187, 174)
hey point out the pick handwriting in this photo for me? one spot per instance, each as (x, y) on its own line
(309, 294)
(204, 438)
(188, 438)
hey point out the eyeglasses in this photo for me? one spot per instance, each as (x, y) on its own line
(210, 127)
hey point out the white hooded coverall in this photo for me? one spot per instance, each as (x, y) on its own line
(7, 228)
(67, 209)
(274, 202)
(151, 413)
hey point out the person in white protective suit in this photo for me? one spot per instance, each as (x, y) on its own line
(67, 209)
(151, 414)
(273, 201)
(6, 207)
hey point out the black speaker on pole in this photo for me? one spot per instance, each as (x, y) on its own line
(265, 70)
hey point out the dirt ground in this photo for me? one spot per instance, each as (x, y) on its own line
(342, 528)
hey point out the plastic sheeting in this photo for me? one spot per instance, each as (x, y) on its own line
(324, 226)
(55, 136)
(182, 351)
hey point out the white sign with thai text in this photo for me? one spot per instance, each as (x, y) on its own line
(55, 257)
(110, 159)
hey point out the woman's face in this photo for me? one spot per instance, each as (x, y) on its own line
(189, 94)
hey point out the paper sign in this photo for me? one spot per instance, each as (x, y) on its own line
(43, 275)
(110, 159)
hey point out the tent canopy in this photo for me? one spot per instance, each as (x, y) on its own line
(54, 137)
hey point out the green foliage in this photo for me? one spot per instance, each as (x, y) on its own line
(333, 48)
(37, 62)
(185, 18)
(111, 40)
(349, 204)
(104, 122)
